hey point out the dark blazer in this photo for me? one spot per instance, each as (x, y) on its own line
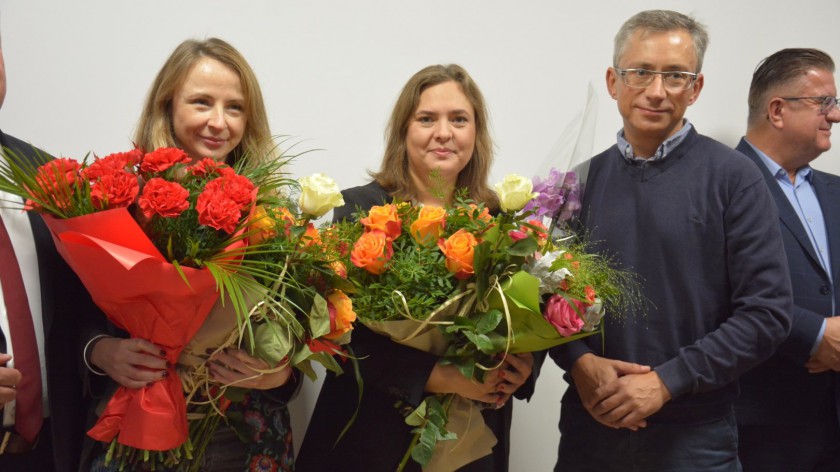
(781, 391)
(66, 309)
(394, 381)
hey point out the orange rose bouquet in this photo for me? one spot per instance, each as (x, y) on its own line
(156, 239)
(471, 288)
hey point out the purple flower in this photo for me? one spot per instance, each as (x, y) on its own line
(559, 195)
(550, 197)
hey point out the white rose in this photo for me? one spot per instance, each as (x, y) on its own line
(318, 195)
(514, 192)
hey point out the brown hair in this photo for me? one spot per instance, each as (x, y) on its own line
(393, 174)
(154, 128)
(780, 69)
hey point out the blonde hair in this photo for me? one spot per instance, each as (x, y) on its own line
(394, 175)
(155, 129)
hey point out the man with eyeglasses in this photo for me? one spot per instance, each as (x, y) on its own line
(689, 216)
(788, 409)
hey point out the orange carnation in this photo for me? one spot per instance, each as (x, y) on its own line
(372, 251)
(342, 315)
(383, 218)
(459, 250)
(428, 227)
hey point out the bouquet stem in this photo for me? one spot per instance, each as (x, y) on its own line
(414, 439)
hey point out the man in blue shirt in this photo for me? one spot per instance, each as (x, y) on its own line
(788, 410)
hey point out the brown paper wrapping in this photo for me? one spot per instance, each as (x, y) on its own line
(475, 439)
(219, 326)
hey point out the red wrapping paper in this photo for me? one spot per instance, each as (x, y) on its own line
(145, 295)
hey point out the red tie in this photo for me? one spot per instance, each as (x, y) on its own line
(28, 413)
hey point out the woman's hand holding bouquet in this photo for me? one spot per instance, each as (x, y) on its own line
(478, 290)
(157, 240)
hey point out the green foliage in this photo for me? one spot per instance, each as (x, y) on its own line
(429, 420)
(482, 317)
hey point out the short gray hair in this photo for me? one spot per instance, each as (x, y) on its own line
(661, 21)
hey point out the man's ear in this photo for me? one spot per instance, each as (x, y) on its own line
(696, 87)
(776, 112)
(612, 77)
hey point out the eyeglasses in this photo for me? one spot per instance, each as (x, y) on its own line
(826, 103)
(672, 80)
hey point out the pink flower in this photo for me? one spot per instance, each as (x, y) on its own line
(517, 235)
(565, 318)
(256, 422)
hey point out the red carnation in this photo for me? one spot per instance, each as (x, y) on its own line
(238, 188)
(206, 167)
(56, 180)
(161, 159)
(217, 210)
(112, 163)
(115, 190)
(160, 197)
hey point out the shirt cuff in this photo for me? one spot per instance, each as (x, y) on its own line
(819, 337)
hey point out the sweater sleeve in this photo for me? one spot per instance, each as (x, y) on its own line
(760, 296)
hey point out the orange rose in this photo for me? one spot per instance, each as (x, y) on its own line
(372, 251)
(261, 228)
(428, 227)
(311, 236)
(342, 315)
(459, 250)
(384, 218)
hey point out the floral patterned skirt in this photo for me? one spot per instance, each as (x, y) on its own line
(257, 438)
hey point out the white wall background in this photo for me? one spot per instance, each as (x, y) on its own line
(78, 72)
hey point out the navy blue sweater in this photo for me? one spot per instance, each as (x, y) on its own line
(700, 229)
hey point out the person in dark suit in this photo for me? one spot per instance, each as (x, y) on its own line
(58, 313)
(788, 410)
(439, 123)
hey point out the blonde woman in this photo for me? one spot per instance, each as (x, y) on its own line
(206, 100)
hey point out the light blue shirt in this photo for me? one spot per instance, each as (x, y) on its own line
(803, 199)
(661, 152)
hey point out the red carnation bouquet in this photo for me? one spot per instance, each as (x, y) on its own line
(157, 240)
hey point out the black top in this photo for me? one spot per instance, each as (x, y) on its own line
(394, 378)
